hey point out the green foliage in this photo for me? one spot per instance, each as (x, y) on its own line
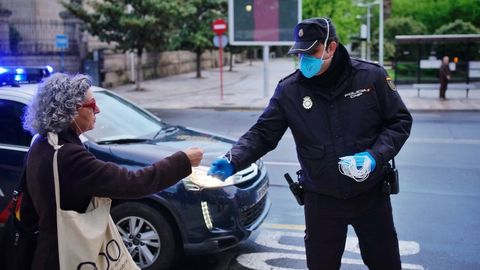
(435, 13)
(403, 26)
(194, 31)
(456, 49)
(397, 26)
(132, 24)
(457, 27)
(342, 13)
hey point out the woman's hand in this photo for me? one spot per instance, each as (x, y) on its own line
(195, 154)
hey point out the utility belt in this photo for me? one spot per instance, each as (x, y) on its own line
(390, 184)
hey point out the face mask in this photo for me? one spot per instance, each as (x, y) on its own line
(348, 167)
(309, 65)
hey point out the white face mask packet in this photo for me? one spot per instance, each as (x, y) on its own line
(348, 167)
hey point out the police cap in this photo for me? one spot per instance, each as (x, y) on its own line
(309, 33)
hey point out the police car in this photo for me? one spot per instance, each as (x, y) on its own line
(196, 215)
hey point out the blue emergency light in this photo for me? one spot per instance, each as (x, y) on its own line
(21, 75)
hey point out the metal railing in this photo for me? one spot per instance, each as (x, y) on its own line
(37, 37)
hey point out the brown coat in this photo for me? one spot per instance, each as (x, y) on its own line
(444, 72)
(81, 177)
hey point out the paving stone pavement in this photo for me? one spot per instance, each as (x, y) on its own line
(244, 90)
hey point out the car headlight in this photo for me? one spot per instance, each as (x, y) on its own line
(199, 179)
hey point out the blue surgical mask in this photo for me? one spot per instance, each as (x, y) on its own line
(309, 65)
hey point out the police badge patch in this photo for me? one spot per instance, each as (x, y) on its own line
(307, 103)
(391, 84)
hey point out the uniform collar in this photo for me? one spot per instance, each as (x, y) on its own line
(331, 83)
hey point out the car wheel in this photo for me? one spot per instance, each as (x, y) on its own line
(149, 236)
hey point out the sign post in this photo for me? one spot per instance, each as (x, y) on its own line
(219, 27)
(61, 42)
(263, 23)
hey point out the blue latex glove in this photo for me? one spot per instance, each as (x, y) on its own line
(221, 168)
(359, 159)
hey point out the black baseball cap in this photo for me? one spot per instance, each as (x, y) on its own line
(310, 33)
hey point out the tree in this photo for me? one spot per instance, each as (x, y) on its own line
(194, 31)
(387, 9)
(342, 13)
(403, 26)
(458, 49)
(233, 50)
(400, 26)
(434, 14)
(397, 26)
(133, 25)
(457, 27)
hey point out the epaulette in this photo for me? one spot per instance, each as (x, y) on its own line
(288, 76)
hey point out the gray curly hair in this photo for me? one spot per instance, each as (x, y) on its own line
(54, 106)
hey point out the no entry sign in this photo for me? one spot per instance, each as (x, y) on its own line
(219, 26)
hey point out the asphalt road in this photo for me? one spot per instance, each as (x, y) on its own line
(437, 213)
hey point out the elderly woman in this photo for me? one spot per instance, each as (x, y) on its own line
(65, 105)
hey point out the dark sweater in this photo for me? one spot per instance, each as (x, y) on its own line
(82, 176)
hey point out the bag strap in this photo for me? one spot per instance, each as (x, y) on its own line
(53, 141)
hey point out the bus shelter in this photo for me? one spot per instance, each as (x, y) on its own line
(418, 57)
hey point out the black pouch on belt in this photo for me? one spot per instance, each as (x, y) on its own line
(391, 184)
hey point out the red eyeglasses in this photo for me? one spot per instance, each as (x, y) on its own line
(92, 104)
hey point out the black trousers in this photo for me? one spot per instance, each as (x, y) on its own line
(443, 87)
(370, 214)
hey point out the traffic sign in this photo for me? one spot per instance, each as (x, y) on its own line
(61, 41)
(219, 26)
(216, 41)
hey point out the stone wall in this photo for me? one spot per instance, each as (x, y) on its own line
(117, 68)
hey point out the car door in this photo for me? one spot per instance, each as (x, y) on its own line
(14, 144)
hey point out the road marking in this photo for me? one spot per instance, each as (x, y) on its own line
(260, 261)
(273, 239)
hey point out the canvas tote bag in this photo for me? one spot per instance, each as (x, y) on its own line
(88, 240)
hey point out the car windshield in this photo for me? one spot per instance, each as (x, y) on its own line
(121, 121)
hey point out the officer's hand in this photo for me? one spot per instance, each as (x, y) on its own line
(360, 158)
(221, 168)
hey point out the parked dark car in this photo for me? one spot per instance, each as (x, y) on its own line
(156, 229)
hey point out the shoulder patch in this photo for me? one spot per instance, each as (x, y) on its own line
(391, 84)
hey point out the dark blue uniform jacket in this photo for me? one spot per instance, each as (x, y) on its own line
(361, 112)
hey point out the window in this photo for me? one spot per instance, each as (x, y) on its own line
(11, 129)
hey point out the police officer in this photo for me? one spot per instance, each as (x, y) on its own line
(336, 107)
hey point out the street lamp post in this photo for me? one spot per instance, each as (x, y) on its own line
(380, 32)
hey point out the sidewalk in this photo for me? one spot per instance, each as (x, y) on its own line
(244, 90)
